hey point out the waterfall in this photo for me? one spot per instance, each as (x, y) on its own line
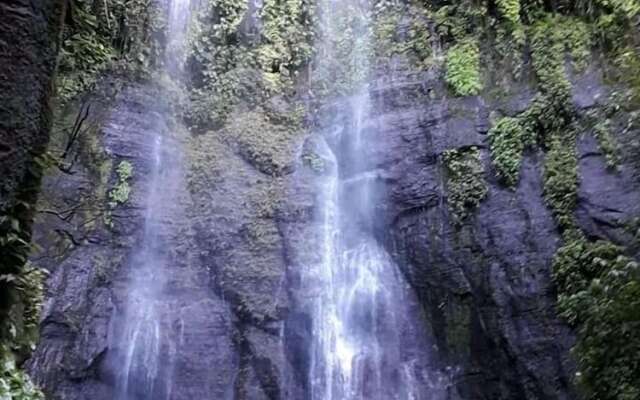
(365, 344)
(147, 350)
(177, 28)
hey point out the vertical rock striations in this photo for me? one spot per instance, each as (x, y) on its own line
(503, 156)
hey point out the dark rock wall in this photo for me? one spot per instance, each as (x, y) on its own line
(29, 35)
(485, 286)
(226, 290)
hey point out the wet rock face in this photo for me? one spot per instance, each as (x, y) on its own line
(484, 287)
(224, 307)
(91, 250)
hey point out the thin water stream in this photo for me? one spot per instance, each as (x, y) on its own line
(148, 350)
(365, 343)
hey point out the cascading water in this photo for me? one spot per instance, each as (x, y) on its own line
(147, 350)
(365, 343)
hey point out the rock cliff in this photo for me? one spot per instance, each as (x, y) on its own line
(482, 282)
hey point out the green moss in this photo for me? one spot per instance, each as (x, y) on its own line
(466, 186)
(234, 73)
(266, 140)
(561, 181)
(508, 139)
(403, 30)
(606, 142)
(463, 68)
(509, 10)
(119, 194)
(598, 285)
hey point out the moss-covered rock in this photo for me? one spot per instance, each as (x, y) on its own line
(466, 186)
(463, 68)
(268, 141)
(508, 139)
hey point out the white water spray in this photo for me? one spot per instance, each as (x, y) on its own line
(361, 317)
(149, 353)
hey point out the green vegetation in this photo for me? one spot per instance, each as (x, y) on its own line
(466, 186)
(345, 37)
(463, 68)
(561, 182)
(577, 40)
(606, 142)
(552, 110)
(272, 151)
(103, 35)
(243, 69)
(19, 332)
(14, 383)
(21, 327)
(626, 8)
(460, 21)
(597, 283)
(21, 296)
(508, 139)
(314, 161)
(395, 37)
(547, 121)
(600, 296)
(509, 10)
(235, 71)
(458, 316)
(552, 117)
(119, 194)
